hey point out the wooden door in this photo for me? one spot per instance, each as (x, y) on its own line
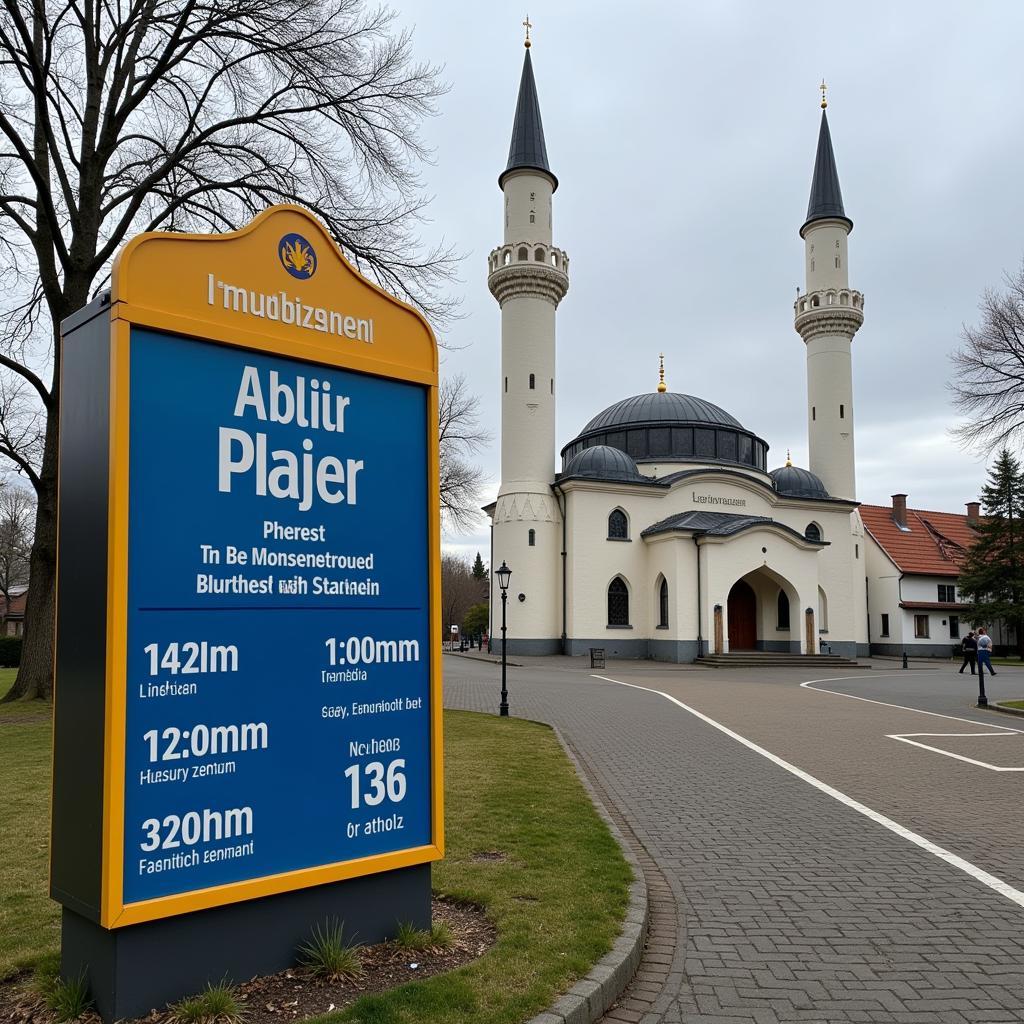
(742, 617)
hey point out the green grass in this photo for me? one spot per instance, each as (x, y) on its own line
(557, 895)
(1016, 662)
(1013, 704)
(29, 920)
(327, 954)
(216, 1004)
(437, 936)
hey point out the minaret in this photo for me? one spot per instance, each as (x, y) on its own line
(828, 315)
(529, 277)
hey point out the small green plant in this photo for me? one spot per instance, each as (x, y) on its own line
(67, 997)
(437, 936)
(327, 955)
(216, 1004)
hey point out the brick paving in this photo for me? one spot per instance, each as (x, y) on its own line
(771, 901)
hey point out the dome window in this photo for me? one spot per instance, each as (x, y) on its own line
(618, 525)
(813, 532)
(618, 602)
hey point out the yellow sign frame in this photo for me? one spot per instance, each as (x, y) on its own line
(159, 281)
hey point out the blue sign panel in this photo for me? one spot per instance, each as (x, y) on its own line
(278, 709)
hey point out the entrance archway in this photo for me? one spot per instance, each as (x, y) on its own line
(742, 617)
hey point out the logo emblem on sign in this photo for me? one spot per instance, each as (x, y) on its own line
(297, 256)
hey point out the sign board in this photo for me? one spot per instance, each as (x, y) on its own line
(271, 688)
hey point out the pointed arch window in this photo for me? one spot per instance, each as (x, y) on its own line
(663, 604)
(783, 610)
(813, 532)
(618, 525)
(618, 602)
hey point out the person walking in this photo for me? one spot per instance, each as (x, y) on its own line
(985, 651)
(969, 646)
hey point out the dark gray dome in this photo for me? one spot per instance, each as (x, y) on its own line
(669, 427)
(604, 462)
(795, 482)
(664, 407)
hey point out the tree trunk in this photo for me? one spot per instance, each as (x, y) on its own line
(35, 677)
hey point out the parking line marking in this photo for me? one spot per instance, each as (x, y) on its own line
(979, 874)
(904, 738)
(810, 685)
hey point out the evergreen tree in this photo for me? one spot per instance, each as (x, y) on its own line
(479, 572)
(992, 575)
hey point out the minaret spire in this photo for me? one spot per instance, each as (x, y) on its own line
(826, 201)
(527, 150)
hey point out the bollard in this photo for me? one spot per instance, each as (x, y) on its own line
(904, 659)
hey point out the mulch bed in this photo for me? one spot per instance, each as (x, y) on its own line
(294, 995)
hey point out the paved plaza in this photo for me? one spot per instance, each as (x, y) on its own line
(847, 850)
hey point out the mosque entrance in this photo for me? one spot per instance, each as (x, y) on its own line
(742, 617)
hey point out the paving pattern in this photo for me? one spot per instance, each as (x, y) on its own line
(773, 901)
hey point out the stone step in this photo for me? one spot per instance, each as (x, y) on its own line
(771, 659)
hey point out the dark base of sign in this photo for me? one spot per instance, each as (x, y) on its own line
(133, 970)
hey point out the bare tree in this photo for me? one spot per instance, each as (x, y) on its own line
(17, 514)
(460, 436)
(459, 591)
(133, 115)
(988, 369)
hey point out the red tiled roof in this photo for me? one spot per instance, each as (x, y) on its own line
(934, 546)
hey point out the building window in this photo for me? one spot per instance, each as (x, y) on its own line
(921, 627)
(885, 624)
(618, 603)
(783, 610)
(947, 592)
(663, 604)
(954, 627)
(813, 532)
(618, 525)
(842, 411)
(533, 538)
(533, 382)
(523, 254)
(506, 385)
(814, 412)
(552, 385)
(856, 551)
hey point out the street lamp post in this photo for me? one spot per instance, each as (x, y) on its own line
(982, 697)
(504, 574)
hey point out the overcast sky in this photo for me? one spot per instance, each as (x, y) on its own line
(683, 137)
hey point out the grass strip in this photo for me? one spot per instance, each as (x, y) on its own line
(523, 841)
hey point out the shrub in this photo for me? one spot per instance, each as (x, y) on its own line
(10, 651)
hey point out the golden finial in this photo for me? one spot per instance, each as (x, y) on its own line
(823, 87)
(528, 25)
(789, 459)
(662, 386)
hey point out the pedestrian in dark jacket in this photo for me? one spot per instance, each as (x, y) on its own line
(970, 648)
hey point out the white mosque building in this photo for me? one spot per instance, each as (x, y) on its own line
(662, 532)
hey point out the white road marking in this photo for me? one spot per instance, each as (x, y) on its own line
(905, 738)
(980, 875)
(810, 685)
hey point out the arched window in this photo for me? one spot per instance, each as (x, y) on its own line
(554, 259)
(822, 611)
(506, 257)
(533, 382)
(663, 603)
(523, 254)
(538, 255)
(783, 604)
(618, 602)
(618, 525)
(533, 538)
(813, 532)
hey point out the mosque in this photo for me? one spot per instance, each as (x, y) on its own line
(662, 532)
